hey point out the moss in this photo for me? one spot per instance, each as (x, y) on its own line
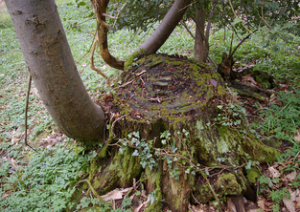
(103, 151)
(154, 181)
(227, 184)
(265, 154)
(252, 175)
(132, 57)
(249, 93)
(205, 194)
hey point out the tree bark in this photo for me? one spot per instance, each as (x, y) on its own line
(102, 29)
(199, 39)
(49, 59)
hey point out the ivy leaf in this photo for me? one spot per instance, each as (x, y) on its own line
(135, 153)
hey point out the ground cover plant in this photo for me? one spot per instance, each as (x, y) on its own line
(277, 121)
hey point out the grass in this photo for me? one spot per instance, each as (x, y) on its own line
(19, 190)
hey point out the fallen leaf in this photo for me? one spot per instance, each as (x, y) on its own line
(193, 208)
(231, 205)
(297, 136)
(261, 202)
(289, 203)
(291, 176)
(116, 194)
(249, 79)
(144, 204)
(273, 172)
(214, 82)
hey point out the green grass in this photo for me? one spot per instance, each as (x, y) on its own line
(18, 189)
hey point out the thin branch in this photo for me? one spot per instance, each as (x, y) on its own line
(119, 13)
(92, 62)
(235, 15)
(131, 39)
(242, 41)
(187, 29)
(210, 19)
(26, 110)
(231, 42)
(109, 16)
(81, 23)
(201, 31)
(211, 60)
(7, 25)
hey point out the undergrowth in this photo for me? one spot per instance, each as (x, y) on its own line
(43, 181)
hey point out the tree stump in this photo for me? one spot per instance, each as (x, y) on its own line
(165, 131)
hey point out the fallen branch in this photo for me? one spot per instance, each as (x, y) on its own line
(26, 110)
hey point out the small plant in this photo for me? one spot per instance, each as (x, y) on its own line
(282, 122)
(45, 184)
(232, 115)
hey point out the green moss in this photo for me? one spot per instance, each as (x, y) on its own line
(252, 175)
(227, 184)
(154, 180)
(103, 151)
(132, 57)
(265, 154)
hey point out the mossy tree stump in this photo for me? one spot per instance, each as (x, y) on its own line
(176, 150)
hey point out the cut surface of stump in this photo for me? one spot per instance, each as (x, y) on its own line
(163, 134)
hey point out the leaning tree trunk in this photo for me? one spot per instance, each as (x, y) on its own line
(48, 57)
(167, 133)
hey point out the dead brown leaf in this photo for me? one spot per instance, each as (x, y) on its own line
(290, 203)
(248, 79)
(273, 172)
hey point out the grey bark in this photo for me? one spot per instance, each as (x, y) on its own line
(49, 59)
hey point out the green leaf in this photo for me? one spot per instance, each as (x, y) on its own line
(236, 21)
(126, 202)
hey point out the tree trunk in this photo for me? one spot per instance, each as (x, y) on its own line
(199, 47)
(178, 152)
(48, 57)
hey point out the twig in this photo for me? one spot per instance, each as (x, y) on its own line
(201, 31)
(231, 42)
(212, 61)
(7, 25)
(188, 5)
(242, 41)
(131, 39)
(80, 23)
(109, 16)
(92, 62)
(26, 110)
(235, 15)
(115, 121)
(119, 14)
(189, 31)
